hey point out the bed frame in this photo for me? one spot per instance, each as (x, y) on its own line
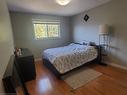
(48, 64)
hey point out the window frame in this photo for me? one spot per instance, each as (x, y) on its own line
(56, 22)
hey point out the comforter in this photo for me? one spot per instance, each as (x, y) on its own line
(69, 57)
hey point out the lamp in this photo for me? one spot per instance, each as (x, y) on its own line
(103, 41)
(103, 29)
(63, 2)
(103, 34)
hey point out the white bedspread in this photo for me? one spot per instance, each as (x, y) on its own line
(69, 57)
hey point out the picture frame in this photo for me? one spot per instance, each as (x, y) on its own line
(86, 17)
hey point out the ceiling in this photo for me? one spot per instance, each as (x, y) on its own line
(51, 7)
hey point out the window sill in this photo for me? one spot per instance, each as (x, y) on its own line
(51, 38)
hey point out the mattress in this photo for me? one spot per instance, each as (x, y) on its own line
(69, 57)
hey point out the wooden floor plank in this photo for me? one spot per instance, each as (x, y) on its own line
(112, 82)
(117, 74)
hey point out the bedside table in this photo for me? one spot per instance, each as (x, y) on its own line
(101, 55)
(26, 64)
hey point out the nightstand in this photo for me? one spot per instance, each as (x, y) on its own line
(26, 63)
(101, 55)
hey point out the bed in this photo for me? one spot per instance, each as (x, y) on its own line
(64, 59)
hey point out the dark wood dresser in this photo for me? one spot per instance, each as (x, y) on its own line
(13, 79)
(26, 64)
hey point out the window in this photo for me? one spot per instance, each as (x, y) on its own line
(46, 29)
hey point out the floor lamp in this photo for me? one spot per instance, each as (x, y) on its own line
(103, 40)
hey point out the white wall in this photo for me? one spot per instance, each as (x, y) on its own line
(24, 32)
(114, 14)
(6, 39)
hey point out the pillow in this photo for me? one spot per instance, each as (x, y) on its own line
(78, 43)
(75, 43)
(84, 42)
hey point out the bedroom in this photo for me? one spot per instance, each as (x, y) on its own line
(72, 27)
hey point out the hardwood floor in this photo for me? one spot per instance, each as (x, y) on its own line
(112, 82)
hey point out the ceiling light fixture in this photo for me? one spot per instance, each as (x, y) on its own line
(63, 2)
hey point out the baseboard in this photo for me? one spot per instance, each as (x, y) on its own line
(118, 66)
(38, 59)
